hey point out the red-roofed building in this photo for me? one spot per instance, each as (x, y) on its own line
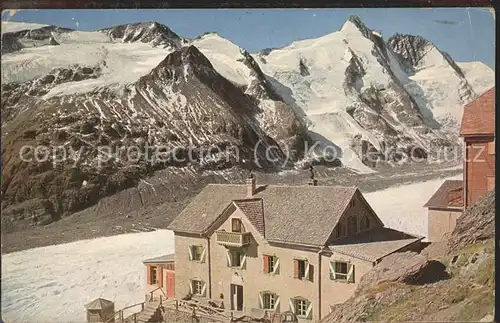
(449, 201)
(478, 131)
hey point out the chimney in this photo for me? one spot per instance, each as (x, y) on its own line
(251, 186)
(312, 181)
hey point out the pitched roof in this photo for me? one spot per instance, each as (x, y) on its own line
(99, 304)
(254, 211)
(292, 214)
(449, 194)
(479, 115)
(161, 259)
(374, 244)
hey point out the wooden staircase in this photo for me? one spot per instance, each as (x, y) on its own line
(150, 313)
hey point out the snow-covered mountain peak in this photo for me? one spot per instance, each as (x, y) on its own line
(227, 58)
(188, 59)
(354, 23)
(154, 33)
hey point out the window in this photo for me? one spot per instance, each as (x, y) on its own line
(340, 230)
(352, 225)
(236, 258)
(271, 264)
(301, 270)
(153, 277)
(236, 225)
(342, 271)
(196, 253)
(301, 307)
(365, 223)
(269, 301)
(351, 204)
(197, 287)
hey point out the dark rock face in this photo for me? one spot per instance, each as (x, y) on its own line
(304, 71)
(409, 49)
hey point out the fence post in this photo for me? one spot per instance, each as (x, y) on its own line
(176, 305)
(135, 317)
(142, 306)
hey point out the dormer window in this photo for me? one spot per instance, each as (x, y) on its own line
(352, 225)
(236, 225)
(340, 232)
(365, 223)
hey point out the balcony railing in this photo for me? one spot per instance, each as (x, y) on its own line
(233, 239)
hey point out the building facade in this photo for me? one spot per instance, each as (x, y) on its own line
(279, 248)
(443, 210)
(160, 276)
(478, 130)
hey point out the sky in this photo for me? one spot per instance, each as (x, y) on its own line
(466, 34)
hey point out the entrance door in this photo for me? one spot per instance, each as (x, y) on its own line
(236, 297)
(170, 284)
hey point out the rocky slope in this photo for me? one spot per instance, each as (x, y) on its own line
(110, 108)
(457, 285)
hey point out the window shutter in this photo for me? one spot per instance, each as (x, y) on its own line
(309, 310)
(190, 286)
(277, 303)
(243, 262)
(350, 274)
(203, 289)
(306, 274)
(332, 272)
(266, 264)
(292, 305)
(296, 268)
(229, 261)
(148, 274)
(276, 269)
(159, 275)
(190, 250)
(203, 253)
(491, 147)
(261, 301)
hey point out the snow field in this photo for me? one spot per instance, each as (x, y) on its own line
(52, 284)
(401, 207)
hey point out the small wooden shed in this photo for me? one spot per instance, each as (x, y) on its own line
(100, 310)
